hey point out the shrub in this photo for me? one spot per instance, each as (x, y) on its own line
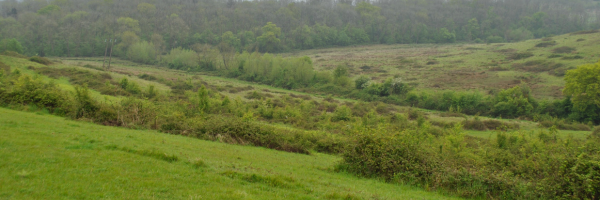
(513, 102)
(555, 56)
(519, 56)
(4, 67)
(96, 81)
(546, 44)
(237, 131)
(148, 77)
(495, 39)
(575, 57)
(596, 133)
(258, 95)
(343, 113)
(182, 59)
(563, 50)
(510, 166)
(13, 54)
(563, 125)
(414, 114)
(85, 106)
(142, 52)
(34, 91)
(362, 82)
(41, 60)
(11, 45)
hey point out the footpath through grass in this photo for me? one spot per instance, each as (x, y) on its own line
(48, 157)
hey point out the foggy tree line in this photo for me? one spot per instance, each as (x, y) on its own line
(80, 28)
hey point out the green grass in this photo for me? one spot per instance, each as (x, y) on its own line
(48, 157)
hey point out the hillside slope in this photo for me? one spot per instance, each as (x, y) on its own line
(48, 157)
(538, 63)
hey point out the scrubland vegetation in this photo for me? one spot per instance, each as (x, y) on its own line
(481, 119)
(374, 139)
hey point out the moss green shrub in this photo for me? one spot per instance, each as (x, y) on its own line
(41, 60)
(510, 166)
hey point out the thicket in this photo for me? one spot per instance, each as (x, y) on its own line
(513, 165)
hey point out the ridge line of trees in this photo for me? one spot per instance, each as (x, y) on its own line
(79, 28)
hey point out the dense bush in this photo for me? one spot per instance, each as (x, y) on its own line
(142, 52)
(41, 60)
(28, 90)
(494, 39)
(521, 55)
(563, 49)
(14, 54)
(182, 59)
(511, 166)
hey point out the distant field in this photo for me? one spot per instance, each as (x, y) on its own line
(469, 67)
(48, 157)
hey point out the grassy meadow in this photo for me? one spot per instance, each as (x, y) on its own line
(48, 157)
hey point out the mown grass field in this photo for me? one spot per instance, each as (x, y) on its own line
(468, 67)
(48, 157)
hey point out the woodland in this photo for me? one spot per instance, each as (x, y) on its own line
(82, 28)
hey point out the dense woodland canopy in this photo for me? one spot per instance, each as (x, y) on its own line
(81, 27)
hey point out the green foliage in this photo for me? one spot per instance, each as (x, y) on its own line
(230, 39)
(23, 89)
(342, 113)
(341, 76)
(494, 39)
(49, 9)
(509, 167)
(85, 106)
(182, 59)
(207, 37)
(5, 69)
(13, 54)
(519, 34)
(269, 40)
(362, 82)
(203, 99)
(563, 49)
(41, 60)
(11, 45)
(583, 86)
(446, 36)
(514, 102)
(131, 87)
(521, 55)
(142, 52)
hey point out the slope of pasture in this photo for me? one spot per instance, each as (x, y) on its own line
(462, 67)
(48, 157)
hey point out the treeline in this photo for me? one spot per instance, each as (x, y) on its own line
(375, 140)
(81, 28)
